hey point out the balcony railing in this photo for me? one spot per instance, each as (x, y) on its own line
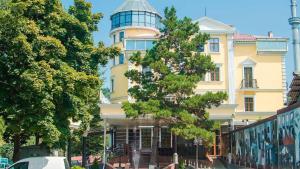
(249, 84)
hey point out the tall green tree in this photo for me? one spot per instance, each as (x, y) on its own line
(167, 90)
(48, 69)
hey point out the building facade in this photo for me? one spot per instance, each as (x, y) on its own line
(250, 68)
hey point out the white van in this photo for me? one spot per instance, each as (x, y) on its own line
(41, 163)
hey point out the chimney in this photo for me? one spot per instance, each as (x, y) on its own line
(270, 34)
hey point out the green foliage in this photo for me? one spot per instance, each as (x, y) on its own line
(48, 69)
(167, 92)
(95, 164)
(6, 150)
(181, 164)
(2, 130)
(77, 167)
(106, 92)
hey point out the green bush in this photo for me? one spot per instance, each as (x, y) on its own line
(95, 164)
(77, 167)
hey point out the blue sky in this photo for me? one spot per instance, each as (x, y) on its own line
(248, 16)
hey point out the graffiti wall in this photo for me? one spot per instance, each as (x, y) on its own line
(289, 138)
(274, 143)
(255, 146)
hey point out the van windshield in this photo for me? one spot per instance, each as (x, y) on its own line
(22, 165)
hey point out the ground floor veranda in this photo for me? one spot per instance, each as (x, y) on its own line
(130, 140)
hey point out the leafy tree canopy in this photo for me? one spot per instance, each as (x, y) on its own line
(48, 69)
(167, 90)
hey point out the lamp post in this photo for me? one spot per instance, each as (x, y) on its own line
(197, 142)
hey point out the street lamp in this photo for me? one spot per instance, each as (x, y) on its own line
(197, 142)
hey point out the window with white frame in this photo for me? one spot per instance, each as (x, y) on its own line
(112, 85)
(121, 58)
(249, 104)
(121, 36)
(114, 38)
(214, 45)
(114, 61)
(215, 74)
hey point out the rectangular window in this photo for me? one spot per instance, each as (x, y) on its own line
(121, 59)
(215, 75)
(201, 48)
(141, 19)
(112, 85)
(130, 44)
(146, 137)
(165, 138)
(121, 36)
(114, 37)
(149, 44)
(135, 18)
(248, 77)
(114, 61)
(214, 45)
(128, 18)
(122, 19)
(249, 104)
(140, 45)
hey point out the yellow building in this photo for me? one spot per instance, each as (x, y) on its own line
(250, 68)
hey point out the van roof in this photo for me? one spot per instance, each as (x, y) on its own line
(39, 158)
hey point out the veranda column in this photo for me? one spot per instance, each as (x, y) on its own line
(104, 144)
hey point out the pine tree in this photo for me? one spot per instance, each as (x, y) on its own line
(167, 90)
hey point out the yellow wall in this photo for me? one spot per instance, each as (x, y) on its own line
(120, 83)
(120, 93)
(218, 58)
(267, 72)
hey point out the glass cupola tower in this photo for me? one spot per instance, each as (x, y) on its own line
(135, 13)
(134, 27)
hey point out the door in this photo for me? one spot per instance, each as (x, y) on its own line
(248, 77)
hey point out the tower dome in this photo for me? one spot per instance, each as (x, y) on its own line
(135, 13)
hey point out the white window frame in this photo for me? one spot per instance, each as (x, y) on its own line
(112, 84)
(247, 66)
(254, 102)
(208, 74)
(210, 43)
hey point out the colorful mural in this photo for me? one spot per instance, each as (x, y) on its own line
(255, 146)
(274, 143)
(289, 138)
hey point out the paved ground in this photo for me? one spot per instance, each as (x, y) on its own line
(218, 165)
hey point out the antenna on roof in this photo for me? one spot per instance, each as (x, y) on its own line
(205, 12)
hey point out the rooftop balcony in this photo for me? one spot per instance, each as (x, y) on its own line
(249, 84)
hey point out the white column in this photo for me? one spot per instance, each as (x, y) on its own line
(171, 140)
(104, 144)
(231, 69)
(159, 137)
(284, 86)
(127, 136)
(140, 138)
(151, 136)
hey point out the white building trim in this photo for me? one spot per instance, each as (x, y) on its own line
(231, 69)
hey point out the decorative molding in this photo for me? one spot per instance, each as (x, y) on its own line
(215, 27)
(262, 90)
(248, 62)
(134, 27)
(284, 85)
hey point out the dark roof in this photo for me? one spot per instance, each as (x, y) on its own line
(294, 92)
